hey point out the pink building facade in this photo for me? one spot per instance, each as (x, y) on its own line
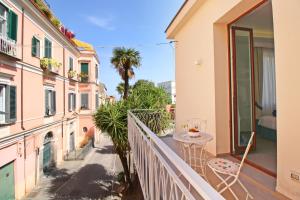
(45, 109)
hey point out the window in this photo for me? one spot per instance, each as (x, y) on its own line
(72, 101)
(84, 101)
(96, 72)
(48, 48)
(70, 63)
(8, 104)
(50, 102)
(35, 48)
(3, 20)
(85, 70)
(8, 23)
(97, 100)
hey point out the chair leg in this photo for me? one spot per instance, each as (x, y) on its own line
(227, 186)
(245, 189)
(227, 178)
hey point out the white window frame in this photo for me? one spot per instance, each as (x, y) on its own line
(40, 47)
(2, 121)
(72, 101)
(4, 18)
(48, 88)
(88, 103)
(4, 82)
(70, 57)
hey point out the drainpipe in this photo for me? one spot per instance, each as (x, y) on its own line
(64, 100)
(22, 73)
(22, 96)
(64, 75)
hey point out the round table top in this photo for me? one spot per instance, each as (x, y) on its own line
(201, 140)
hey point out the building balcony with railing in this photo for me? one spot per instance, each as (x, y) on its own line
(8, 46)
(164, 173)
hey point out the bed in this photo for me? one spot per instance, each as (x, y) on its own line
(266, 127)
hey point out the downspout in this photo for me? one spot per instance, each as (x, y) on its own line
(64, 100)
(22, 97)
(22, 72)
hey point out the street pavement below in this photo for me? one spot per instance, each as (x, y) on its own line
(95, 177)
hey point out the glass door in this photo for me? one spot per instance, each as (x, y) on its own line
(243, 89)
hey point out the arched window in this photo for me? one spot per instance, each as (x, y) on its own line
(48, 137)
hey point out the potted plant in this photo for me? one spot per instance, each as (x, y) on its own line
(49, 64)
(72, 74)
(83, 76)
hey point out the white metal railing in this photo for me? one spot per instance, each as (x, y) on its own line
(8, 46)
(162, 173)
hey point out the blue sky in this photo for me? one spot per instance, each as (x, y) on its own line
(131, 23)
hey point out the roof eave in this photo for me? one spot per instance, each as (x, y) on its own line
(185, 11)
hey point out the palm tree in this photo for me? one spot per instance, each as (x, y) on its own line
(123, 61)
(120, 89)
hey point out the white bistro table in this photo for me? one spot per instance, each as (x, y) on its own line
(193, 149)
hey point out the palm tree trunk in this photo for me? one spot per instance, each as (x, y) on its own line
(126, 85)
(123, 158)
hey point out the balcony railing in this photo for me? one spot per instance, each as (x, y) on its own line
(162, 173)
(8, 46)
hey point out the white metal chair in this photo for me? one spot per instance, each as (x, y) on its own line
(231, 170)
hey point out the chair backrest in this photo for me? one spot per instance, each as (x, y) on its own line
(247, 151)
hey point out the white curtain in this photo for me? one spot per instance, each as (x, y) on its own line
(269, 83)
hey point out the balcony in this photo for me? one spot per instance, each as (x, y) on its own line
(164, 174)
(8, 46)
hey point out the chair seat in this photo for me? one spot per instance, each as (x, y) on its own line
(224, 166)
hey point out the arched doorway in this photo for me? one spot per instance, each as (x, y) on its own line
(47, 152)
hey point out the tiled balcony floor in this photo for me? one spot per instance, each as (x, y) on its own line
(259, 184)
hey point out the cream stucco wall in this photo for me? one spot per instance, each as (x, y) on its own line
(286, 17)
(208, 81)
(203, 90)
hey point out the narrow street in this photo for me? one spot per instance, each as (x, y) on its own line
(93, 178)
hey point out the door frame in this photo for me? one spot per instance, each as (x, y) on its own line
(239, 149)
(271, 173)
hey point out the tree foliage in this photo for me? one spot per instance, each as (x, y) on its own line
(124, 60)
(112, 118)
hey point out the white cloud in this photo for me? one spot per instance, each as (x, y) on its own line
(104, 23)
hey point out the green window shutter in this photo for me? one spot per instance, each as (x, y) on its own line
(71, 63)
(13, 103)
(69, 101)
(34, 47)
(97, 101)
(96, 72)
(48, 48)
(53, 102)
(7, 104)
(85, 68)
(74, 105)
(12, 25)
(46, 102)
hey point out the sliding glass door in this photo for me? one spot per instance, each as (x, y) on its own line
(243, 89)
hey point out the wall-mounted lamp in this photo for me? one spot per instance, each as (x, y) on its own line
(198, 62)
